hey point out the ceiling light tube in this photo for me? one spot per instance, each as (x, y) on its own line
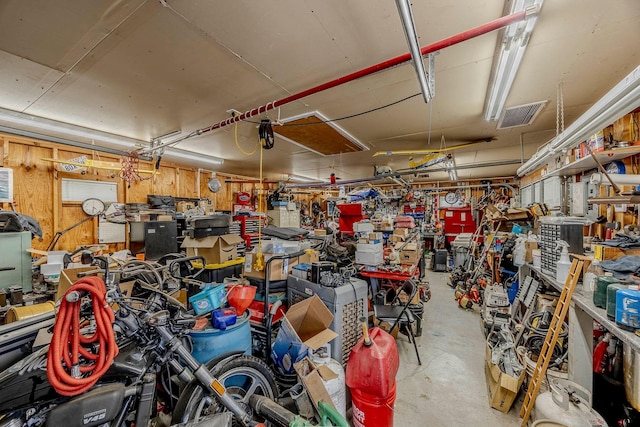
(406, 16)
(55, 128)
(193, 157)
(514, 43)
(301, 178)
(620, 100)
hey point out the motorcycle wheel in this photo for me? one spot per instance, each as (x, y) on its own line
(242, 376)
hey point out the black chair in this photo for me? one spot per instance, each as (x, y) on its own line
(398, 314)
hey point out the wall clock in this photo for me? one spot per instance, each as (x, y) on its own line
(451, 198)
(93, 206)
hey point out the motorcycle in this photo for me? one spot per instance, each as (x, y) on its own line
(153, 379)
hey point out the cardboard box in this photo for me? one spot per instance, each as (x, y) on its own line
(312, 377)
(602, 252)
(394, 238)
(376, 236)
(369, 247)
(517, 214)
(319, 232)
(409, 254)
(586, 262)
(401, 232)
(68, 277)
(305, 326)
(214, 249)
(309, 257)
(529, 247)
(369, 258)
(279, 269)
(502, 388)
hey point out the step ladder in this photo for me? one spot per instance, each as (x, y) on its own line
(550, 340)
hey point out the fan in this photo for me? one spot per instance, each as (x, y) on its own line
(214, 184)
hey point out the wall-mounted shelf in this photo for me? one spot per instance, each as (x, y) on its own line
(587, 163)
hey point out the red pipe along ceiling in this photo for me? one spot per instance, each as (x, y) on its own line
(434, 47)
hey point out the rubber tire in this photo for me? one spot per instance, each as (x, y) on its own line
(193, 394)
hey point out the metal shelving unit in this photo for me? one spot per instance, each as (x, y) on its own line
(582, 313)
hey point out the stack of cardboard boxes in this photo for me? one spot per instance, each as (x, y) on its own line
(370, 249)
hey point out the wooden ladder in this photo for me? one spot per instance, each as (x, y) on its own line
(550, 340)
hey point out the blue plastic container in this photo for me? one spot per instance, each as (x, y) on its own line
(207, 300)
(512, 291)
(628, 308)
(224, 317)
(210, 343)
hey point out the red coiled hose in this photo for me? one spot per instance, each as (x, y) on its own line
(68, 372)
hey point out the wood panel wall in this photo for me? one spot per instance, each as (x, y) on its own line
(37, 188)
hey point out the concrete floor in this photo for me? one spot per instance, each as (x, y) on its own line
(449, 389)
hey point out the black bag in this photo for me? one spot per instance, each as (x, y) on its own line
(14, 222)
(161, 202)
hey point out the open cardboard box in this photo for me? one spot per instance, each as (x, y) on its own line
(313, 377)
(502, 388)
(304, 326)
(214, 249)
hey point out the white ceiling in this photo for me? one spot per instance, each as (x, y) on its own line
(143, 68)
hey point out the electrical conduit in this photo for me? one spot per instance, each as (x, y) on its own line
(384, 65)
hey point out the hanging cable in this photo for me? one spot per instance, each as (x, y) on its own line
(258, 263)
(235, 135)
(76, 361)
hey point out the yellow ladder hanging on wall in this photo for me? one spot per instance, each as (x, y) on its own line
(550, 341)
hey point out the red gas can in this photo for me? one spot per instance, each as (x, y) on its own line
(371, 378)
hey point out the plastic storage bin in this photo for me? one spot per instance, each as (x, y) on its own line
(210, 298)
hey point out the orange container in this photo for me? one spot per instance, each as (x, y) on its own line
(240, 296)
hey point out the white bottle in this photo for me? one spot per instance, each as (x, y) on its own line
(591, 276)
(519, 252)
(335, 386)
(564, 263)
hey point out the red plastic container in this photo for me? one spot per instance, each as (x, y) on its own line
(240, 297)
(370, 411)
(371, 378)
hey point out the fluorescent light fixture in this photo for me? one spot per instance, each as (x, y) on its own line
(301, 178)
(620, 100)
(406, 16)
(193, 156)
(55, 128)
(514, 43)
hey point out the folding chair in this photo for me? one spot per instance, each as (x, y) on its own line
(398, 314)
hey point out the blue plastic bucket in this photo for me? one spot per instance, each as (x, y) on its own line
(210, 343)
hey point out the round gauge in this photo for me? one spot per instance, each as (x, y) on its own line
(451, 198)
(93, 206)
(213, 185)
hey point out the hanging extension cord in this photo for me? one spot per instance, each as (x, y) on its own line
(72, 366)
(258, 262)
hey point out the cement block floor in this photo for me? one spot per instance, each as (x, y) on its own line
(449, 388)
